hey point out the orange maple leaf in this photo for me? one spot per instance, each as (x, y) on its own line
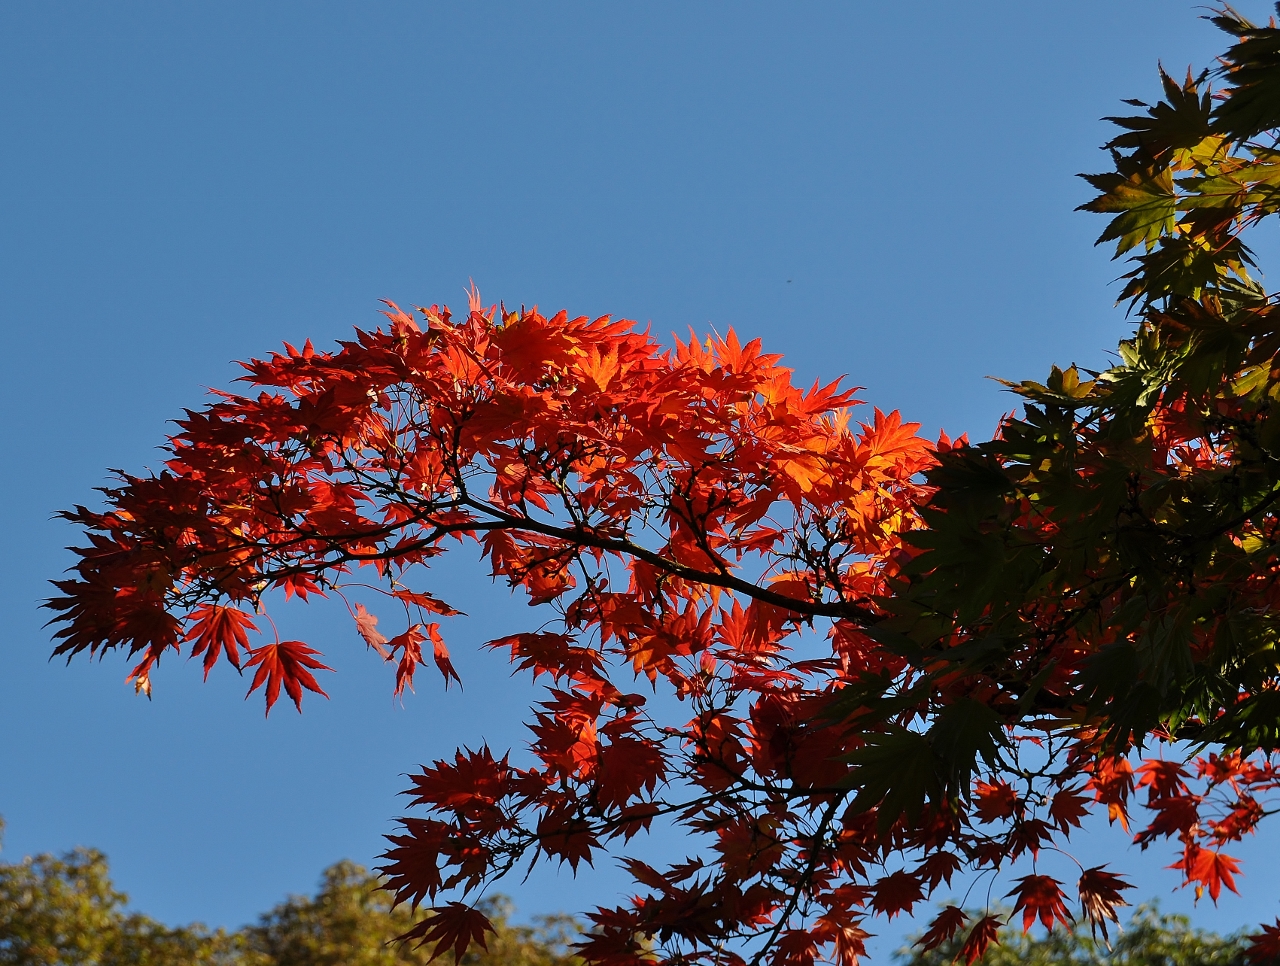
(995, 801)
(1209, 869)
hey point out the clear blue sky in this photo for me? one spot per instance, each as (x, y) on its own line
(878, 189)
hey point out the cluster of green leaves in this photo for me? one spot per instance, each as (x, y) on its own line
(64, 911)
(1110, 558)
(350, 922)
(1105, 572)
(1150, 938)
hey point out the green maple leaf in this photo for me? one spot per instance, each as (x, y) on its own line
(1179, 123)
(1145, 203)
(896, 770)
(1252, 66)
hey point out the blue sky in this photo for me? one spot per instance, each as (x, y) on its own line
(882, 190)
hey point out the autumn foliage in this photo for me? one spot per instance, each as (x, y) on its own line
(897, 662)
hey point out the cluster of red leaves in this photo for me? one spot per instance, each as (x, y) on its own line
(689, 514)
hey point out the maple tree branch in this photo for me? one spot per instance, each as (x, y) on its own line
(801, 885)
(585, 537)
(1246, 516)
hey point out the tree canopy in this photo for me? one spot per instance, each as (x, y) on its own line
(1150, 938)
(65, 911)
(897, 661)
(351, 921)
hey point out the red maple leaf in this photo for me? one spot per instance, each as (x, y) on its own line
(748, 847)
(1162, 778)
(441, 654)
(566, 836)
(848, 939)
(470, 785)
(939, 867)
(1244, 817)
(1029, 836)
(1264, 946)
(285, 664)
(1174, 816)
(1100, 897)
(896, 893)
(995, 801)
(945, 924)
(795, 947)
(412, 870)
(409, 644)
(625, 767)
(217, 629)
(1040, 896)
(1111, 784)
(300, 585)
(1067, 808)
(984, 932)
(455, 926)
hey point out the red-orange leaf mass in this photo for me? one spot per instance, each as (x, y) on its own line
(688, 515)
